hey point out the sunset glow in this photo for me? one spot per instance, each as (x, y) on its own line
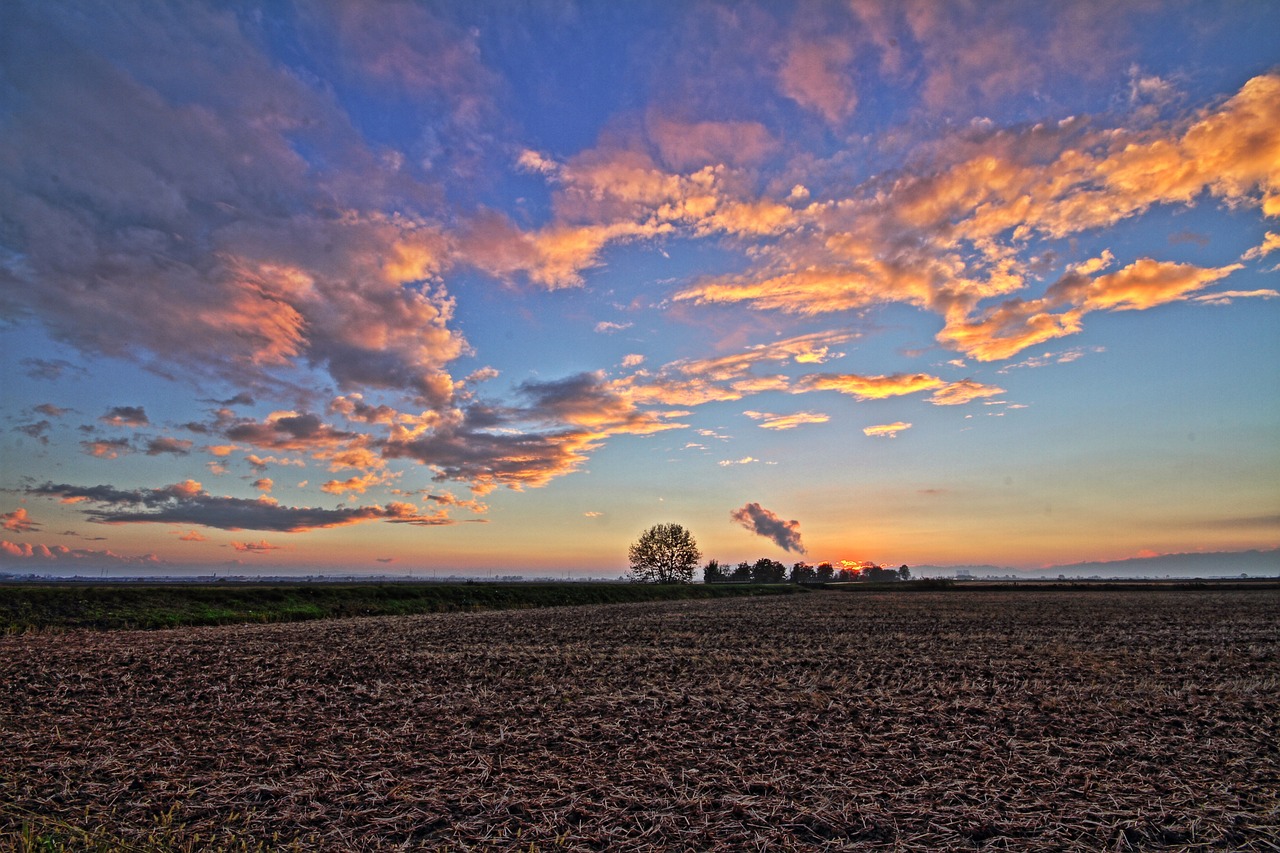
(491, 288)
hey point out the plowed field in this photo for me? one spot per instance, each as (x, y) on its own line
(853, 721)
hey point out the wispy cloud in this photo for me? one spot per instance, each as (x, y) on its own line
(886, 430)
(769, 420)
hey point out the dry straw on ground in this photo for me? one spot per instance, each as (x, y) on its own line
(996, 720)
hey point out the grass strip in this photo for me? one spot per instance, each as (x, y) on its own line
(55, 606)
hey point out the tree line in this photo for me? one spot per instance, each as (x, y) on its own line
(668, 553)
(765, 570)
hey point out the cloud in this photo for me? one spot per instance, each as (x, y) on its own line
(528, 445)
(886, 430)
(763, 522)
(768, 420)
(18, 521)
(959, 393)
(165, 444)
(112, 448)
(38, 430)
(356, 485)
(606, 327)
(189, 503)
(746, 460)
(264, 484)
(50, 410)
(130, 416)
(277, 261)
(192, 536)
(690, 144)
(1269, 244)
(25, 552)
(51, 370)
(815, 74)
(869, 387)
(1226, 297)
(1047, 358)
(260, 547)
(952, 235)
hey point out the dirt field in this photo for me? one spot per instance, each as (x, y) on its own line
(913, 721)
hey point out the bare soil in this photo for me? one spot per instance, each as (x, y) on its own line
(926, 721)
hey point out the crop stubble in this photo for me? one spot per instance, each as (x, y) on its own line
(1023, 720)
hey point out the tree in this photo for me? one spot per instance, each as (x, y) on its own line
(802, 573)
(741, 573)
(713, 572)
(825, 572)
(904, 573)
(768, 571)
(665, 553)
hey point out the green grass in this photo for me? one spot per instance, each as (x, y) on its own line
(27, 607)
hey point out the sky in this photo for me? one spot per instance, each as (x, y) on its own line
(491, 287)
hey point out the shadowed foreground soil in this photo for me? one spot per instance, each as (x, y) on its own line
(925, 721)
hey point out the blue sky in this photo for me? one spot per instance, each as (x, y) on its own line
(472, 287)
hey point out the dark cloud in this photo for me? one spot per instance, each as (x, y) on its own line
(188, 503)
(165, 444)
(49, 369)
(36, 430)
(51, 410)
(757, 519)
(133, 416)
(107, 448)
(488, 459)
(289, 432)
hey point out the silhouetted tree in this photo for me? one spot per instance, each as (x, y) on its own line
(904, 573)
(846, 574)
(802, 573)
(741, 573)
(712, 572)
(825, 572)
(768, 571)
(665, 553)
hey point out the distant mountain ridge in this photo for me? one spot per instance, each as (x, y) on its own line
(1255, 563)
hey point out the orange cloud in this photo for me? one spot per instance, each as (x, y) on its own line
(886, 430)
(959, 393)
(1269, 244)
(869, 387)
(357, 485)
(18, 521)
(768, 420)
(1143, 284)
(952, 236)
